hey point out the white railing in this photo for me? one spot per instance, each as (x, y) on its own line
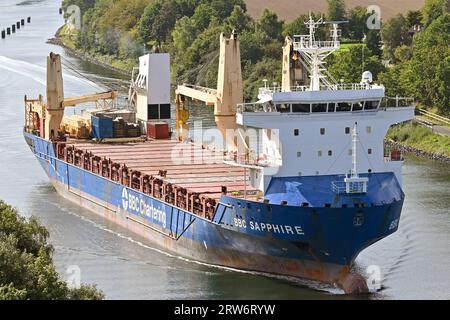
(394, 102)
(305, 42)
(341, 187)
(333, 87)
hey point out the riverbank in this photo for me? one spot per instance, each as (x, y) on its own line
(63, 38)
(413, 138)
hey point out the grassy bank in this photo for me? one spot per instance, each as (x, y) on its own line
(68, 37)
(411, 134)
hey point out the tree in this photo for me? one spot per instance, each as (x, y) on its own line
(84, 5)
(146, 21)
(267, 68)
(427, 74)
(357, 19)
(239, 20)
(225, 7)
(394, 33)
(26, 265)
(269, 24)
(349, 65)
(184, 34)
(433, 9)
(336, 10)
(373, 42)
(413, 18)
(203, 15)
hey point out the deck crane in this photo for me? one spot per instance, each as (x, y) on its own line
(228, 94)
(47, 117)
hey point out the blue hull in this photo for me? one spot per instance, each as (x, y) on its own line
(318, 242)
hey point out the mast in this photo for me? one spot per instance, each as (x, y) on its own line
(354, 172)
(314, 52)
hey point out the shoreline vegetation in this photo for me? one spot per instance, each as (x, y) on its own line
(410, 137)
(66, 43)
(188, 31)
(27, 271)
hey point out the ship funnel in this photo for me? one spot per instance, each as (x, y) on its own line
(55, 96)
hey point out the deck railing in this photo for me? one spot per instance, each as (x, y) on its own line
(333, 87)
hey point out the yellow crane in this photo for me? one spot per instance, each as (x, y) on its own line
(47, 117)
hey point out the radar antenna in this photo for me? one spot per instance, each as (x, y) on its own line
(314, 52)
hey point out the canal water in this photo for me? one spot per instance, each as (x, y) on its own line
(413, 263)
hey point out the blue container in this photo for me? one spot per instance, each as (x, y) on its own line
(102, 127)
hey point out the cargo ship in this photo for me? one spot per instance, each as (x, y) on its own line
(302, 184)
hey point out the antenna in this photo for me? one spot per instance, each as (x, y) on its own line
(353, 182)
(315, 52)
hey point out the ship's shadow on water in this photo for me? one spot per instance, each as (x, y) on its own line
(82, 238)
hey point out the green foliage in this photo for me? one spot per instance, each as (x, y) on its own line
(158, 20)
(428, 70)
(357, 19)
(269, 25)
(373, 42)
(84, 5)
(239, 20)
(416, 136)
(336, 10)
(394, 33)
(269, 69)
(349, 65)
(414, 17)
(433, 9)
(26, 265)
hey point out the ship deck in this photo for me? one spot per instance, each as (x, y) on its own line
(187, 165)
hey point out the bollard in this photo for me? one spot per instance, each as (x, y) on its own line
(3, 34)
(28, 19)
(18, 25)
(8, 31)
(13, 28)
(22, 22)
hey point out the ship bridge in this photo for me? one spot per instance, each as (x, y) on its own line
(317, 129)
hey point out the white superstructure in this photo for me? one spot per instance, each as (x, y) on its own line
(317, 129)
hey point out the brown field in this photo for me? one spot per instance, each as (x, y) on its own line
(291, 9)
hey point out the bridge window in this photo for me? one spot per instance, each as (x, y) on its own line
(296, 132)
(299, 154)
(347, 130)
(319, 107)
(319, 153)
(322, 131)
(283, 107)
(369, 151)
(370, 105)
(330, 153)
(301, 107)
(357, 106)
(350, 152)
(369, 129)
(344, 106)
(331, 107)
